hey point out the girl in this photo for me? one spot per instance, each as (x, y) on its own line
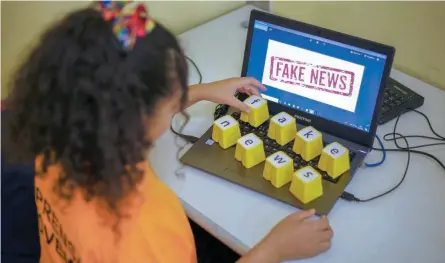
(101, 86)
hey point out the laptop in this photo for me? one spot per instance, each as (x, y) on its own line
(325, 79)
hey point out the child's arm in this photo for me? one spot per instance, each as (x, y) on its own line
(222, 92)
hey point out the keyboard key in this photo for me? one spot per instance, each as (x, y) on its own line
(250, 150)
(306, 185)
(282, 148)
(236, 115)
(261, 134)
(259, 112)
(275, 145)
(264, 126)
(334, 160)
(282, 128)
(278, 169)
(268, 141)
(226, 131)
(308, 143)
(291, 154)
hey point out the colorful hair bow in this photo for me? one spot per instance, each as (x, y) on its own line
(130, 20)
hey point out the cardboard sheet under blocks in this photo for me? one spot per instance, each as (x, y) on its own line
(278, 169)
(250, 150)
(306, 185)
(226, 131)
(334, 160)
(259, 112)
(282, 128)
(308, 143)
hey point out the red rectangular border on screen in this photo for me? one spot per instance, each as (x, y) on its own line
(346, 94)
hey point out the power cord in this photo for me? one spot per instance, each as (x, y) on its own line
(189, 138)
(196, 67)
(395, 137)
(383, 157)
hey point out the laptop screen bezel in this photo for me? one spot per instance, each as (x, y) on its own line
(351, 134)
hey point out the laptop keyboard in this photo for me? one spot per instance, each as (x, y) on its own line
(271, 146)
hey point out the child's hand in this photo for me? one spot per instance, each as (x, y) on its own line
(222, 92)
(296, 237)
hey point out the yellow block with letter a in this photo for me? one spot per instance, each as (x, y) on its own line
(250, 150)
(308, 143)
(226, 131)
(306, 185)
(259, 112)
(282, 128)
(278, 169)
(334, 160)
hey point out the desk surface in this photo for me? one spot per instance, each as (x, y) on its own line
(405, 226)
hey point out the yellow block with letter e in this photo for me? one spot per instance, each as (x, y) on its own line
(226, 131)
(250, 150)
(334, 160)
(259, 112)
(282, 128)
(306, 185)
(308, 143)
(278, 169)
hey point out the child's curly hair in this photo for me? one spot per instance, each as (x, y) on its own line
(80, 99)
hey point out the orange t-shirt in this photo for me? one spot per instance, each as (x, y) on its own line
(156, 231)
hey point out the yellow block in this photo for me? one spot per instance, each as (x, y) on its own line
(259, 112)
(282, 128)
(306, 185)
(334, 160)
(250, 150)
(226, 131)
(278, 169)
(308, 143)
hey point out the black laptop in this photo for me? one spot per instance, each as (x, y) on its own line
(325, 79)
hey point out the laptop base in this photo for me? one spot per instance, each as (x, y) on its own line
(213, 159)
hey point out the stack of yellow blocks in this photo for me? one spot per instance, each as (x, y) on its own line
(308, 143)
(334, 160)
(259, 112)
(278, 169)
(282, 128)
(250, 150)
(226, 131)
(306, 185)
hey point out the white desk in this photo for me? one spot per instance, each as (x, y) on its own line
(405, 226)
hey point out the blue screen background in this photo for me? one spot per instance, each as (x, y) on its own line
(372, 75)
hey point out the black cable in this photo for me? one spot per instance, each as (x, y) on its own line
(189, 138)
(416, 152)
(403, 149)
(398, 184)
(395, 137)
(196, 67)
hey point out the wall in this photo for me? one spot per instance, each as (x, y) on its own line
(22, 23)
(415, 29)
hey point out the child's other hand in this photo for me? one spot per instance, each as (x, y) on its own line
(297, 236)
(222, 92)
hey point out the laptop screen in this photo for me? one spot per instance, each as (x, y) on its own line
(316, 75)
